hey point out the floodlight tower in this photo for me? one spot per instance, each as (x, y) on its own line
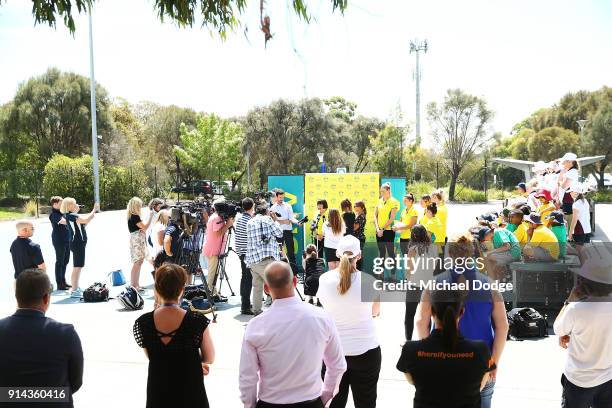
(417, 46)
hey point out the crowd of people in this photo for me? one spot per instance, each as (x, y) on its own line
(295, 354)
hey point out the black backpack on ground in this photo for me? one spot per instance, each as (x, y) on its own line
(98, 292)
(526, 322)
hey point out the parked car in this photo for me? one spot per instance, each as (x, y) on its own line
(195, 187)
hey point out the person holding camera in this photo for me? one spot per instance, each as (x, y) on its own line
(216, 227)
(246, 280)
(262, 249)
(78, 238)
(286, 219)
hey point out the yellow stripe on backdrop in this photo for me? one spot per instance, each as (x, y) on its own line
(335, 187)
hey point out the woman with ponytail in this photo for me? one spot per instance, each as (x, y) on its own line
(340, 291)
(463, 371)
(485, 314)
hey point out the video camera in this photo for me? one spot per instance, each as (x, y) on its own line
(190, 214)
(228, 209)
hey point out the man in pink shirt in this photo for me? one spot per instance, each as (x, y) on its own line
(216, 227)
(284, 347)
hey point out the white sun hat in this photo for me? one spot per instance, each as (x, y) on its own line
(348, 243)
(568, 157)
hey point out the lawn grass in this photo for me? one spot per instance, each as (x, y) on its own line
(10, 213)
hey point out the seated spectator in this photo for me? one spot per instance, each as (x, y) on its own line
(506, 249)
(177, 343)
(546, 205)
(584, 329)
(522, 230)
(515, 218)
(543, 245)
(557, 226)
(340, 290)
(485, 315)
(284, 348)
(25, 253)
(37, 351)
(464, 370)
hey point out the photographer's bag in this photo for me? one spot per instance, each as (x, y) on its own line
(131, 299)
(98, 292)
(526, 322)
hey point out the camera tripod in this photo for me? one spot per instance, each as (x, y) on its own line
(220, 272)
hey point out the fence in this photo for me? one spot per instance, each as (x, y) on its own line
(117, 185)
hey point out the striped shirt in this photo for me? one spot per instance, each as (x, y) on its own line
(241, 233)
(260, 228)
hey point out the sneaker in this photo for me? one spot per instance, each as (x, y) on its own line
(247, 312)
(140, 289)
(77, 293)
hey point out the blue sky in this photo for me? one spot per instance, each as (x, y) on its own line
(519, 55)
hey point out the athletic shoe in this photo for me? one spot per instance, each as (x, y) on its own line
(248, 312)
(141, 290)
(77, 293)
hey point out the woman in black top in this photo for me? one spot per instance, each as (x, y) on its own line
(138, 240)
(313, 269)
(446, 369)
(359, 229)
(348, 216)
(177, 343)
(61, 243)
(78, 238)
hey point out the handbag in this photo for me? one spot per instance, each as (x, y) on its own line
(117, 278)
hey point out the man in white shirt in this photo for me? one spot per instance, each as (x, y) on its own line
(283, 350)
(584, 329)
(286, 219)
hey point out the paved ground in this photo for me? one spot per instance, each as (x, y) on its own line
(116, 369)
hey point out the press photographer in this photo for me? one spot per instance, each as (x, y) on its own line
(185, 230)
(216, 228)
(262, 249)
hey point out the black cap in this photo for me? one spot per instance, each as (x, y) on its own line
(522, 186)
(556, 216)
(482, 233)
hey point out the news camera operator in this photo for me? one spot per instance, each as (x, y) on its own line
(262, 249)
(286, 219)
(216, 228)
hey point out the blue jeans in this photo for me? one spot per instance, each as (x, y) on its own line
(486, 395)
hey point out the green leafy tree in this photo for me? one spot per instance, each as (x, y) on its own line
(360, 134)
(212, 149)
(222, 16)
(285, 137)
(551, 143)
(519, 144)
(387, 153)
(599, 140)
(459, 126)
(52, 113)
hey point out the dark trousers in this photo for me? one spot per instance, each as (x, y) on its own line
(404, 244)
(362, 376)
(288, 241)
(360, 261)
(308, 404)
(246, 282)
(386, 246)
(62, 257)
(578, 397)
(412, 301)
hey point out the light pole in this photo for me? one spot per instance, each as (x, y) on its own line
(320, 156)
(417, 46)
(94, 128)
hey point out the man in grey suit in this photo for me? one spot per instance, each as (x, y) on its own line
(35, 350)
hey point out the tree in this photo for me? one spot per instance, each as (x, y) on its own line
(161, 131)
(459, 125)
(361, 132)
(551, 143)
(52, 114)
(219, 15)
(599, 140)
(212, 149)
(284, 137)
(387, 153)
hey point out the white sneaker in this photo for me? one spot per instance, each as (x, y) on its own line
(77, 293)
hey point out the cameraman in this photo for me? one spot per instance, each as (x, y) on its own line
(246, 280)
(262, 249)
(216, 227)
(286, 219)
